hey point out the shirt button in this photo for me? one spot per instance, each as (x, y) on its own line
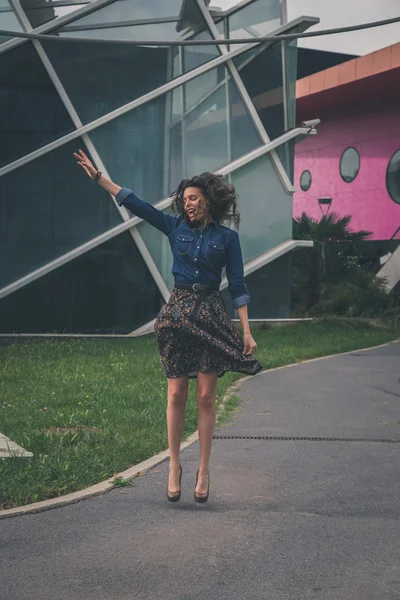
(195, 259)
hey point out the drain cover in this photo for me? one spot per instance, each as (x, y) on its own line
(274, 438)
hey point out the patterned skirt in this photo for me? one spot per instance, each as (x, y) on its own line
(205, 341)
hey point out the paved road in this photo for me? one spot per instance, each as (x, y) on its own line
(286, 519)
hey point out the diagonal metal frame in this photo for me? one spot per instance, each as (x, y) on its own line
(134, 233)
(289, 245)
(225, 58)
(117, 24)
(178, 81)
(279, 168)
(59, 21)
(78, 124)
(133, 222)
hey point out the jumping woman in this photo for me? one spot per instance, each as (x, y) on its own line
(195, 335)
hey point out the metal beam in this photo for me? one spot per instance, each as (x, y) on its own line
(270, 256)
(276, 162)
(136, 237)
(133, 222)
(127, 108)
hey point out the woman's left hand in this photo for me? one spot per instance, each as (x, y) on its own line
(249, 344)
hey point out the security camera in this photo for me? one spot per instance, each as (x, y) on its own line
(311, 123)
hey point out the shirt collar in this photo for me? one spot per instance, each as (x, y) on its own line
(216, 224)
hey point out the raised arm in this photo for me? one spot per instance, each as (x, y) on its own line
(125, 197)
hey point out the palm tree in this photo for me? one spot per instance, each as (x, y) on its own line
(330, 228)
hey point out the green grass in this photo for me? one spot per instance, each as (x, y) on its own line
(117, 391)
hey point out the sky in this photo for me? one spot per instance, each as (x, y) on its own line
(339, 13)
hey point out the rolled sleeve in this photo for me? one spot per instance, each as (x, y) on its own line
(235, 272)
(147, 212)
(241, 300)
(122, 195)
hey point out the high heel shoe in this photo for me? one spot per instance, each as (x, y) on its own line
(201, 498)
(176, 496)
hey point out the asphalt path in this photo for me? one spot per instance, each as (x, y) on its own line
(286, 519)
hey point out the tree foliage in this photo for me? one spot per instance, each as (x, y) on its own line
(329, 278)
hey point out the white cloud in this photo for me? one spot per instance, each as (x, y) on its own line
(349, 12)
(339, 14)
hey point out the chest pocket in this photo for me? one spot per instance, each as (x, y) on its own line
(215, 252)
(183, 243)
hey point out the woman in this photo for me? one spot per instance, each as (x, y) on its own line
(195, 336)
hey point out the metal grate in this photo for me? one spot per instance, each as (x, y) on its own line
(274, 438)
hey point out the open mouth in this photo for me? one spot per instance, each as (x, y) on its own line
(191, 212)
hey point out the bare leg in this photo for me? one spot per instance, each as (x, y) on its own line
(205, 397)
(177, 396)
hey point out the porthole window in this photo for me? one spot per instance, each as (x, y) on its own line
(393, 177)
(349, 165)
(305, 180)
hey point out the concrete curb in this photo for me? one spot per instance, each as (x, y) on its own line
(139, 469)
(108, 484)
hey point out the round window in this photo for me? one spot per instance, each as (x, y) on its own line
(349, 165)
(305, 180)
(393, 177)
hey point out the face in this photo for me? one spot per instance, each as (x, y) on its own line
(195, 204)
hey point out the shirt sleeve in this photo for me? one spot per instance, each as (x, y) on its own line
(147, 212)
(235, 272)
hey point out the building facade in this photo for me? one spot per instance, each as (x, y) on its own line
(355, 160)
(71, 259)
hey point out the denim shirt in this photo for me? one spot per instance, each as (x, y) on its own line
(199, 256)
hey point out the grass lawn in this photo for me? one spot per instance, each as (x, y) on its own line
(110, 398)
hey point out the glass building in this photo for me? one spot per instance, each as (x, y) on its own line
(71, 259)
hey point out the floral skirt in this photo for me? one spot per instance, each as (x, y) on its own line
(205, 342)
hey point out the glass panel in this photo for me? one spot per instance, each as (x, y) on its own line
(243, 132)
(48, 207)
(194, 56)
(153, 147)
(40, 11)
(207, 135)
(8, 20)
(200, 88)
(132, 149)
(158, 245)
(220, 25)
(261, 72)
(349, 165)
(255, 20)
(106, 290)
(269, 289)
(101, 77)
(265, 207)
(185, 13)
(305, 180)
(31, 112)
(393, 178)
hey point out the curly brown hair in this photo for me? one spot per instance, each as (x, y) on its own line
(221, 198)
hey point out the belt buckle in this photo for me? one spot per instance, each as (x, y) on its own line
(195, 288)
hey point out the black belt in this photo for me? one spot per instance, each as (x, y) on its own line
(197, 287)
(203, 289)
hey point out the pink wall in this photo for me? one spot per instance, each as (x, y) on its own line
(376, 136)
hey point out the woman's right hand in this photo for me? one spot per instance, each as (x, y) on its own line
(86, 164)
